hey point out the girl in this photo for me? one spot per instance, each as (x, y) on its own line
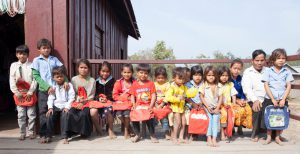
(104, 85)
(195, 82)
(277, 81)
(229, 98)
(242, 110)
(211, 96)
(79, 114)
(121, 95)
(176, 96)
(162, 85)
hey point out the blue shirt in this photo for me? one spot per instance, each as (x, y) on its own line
(277, 81)
(191, 84)
(45, 67)
(238, 87)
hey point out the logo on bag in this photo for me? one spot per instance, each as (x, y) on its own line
(199, 116)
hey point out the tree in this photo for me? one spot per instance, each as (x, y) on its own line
(142, 55)
(202, 56)
(220, 55)
(160, 52)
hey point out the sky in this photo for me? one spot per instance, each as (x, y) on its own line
(194, 27)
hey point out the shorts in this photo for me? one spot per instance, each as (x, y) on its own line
(124, 113)
(104, 111)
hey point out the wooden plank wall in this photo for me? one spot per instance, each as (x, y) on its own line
(85, 17)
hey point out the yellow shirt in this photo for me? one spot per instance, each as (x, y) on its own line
(161, 90)
(173, 96)
(228, 92)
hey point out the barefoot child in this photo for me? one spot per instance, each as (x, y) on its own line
(162, 85)
(104, 85)
(121, 95)
(211, 96)
(20, 72)
(59, 104)
(229, 98)
(277, 81)
(143, 93)
(176, 96)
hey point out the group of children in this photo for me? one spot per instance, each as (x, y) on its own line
(76, 103)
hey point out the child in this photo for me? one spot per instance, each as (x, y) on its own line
(211, 97)
(121, 95)
(41, 69)
(229, 98)
(176, 96)
(79, 114)
(143, 93)
(161, 86)
(195, 82)
(21, 72)
(242, 110)
(59, 104)
(277, 81)
(104, 85)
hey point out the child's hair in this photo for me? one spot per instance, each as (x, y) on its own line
(143, 67)
(161, 70)
(257, 53)
(214, 70)
(277, 53)
(43, 42)
(58, 70)
(22, 49)
(84, 61)
(237, 61)
(104, 64)
(223, 69)
(197, 69)
(128, 66)
(178, 71)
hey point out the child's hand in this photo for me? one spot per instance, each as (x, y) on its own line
(275, 102)
(182, 98)
(209, 110)
(79, 106)
(216, 111)
(161, 105)
(66, 86)
(20, 98)
(256, 106)
(28, 97)
(50, 111)
(66, 110)
(281, 103)
(133, 107)
(151, 110)
(51, 91)
(195, 106)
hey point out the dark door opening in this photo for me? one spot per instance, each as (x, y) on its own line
(11, 35)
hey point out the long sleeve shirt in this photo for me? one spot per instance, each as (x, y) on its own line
(19, 71)
(61, 98)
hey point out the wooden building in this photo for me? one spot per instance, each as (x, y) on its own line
(92, 29)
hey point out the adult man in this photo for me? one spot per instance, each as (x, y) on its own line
(254, 89)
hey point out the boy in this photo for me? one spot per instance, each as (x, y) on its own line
(143, 93)
(59, 104)
(41, 69)
(20, 72)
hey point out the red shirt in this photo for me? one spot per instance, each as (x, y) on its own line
(142, 93)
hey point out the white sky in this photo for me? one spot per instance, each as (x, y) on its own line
(192, 27)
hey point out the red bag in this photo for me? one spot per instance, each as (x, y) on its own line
(24, 86)
(230, 121)
(198, 122)
(99, 105)
(161, 113)
(140, 113)
(120, 106)
(81, 93)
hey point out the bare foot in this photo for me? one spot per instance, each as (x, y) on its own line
(176, 141)
(66, 141)
(267, 141)
(214, 143)
(255, 139)
(278, 141)
(112, 135)
(22, 138)
(32, 136)
(209, 142)
(154, 139)
(168, 137)
(135, 139)
(126, 137)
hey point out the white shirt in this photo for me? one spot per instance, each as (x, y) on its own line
(62, 98)
(252, 85)
(14, 76)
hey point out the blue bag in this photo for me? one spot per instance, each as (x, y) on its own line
(276, 118)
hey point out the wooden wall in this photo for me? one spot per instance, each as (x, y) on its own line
(95, 33)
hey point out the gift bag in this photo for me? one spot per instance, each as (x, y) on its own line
(160, 113)
(198, 122)
(276, 118)
(230, 121)
(140, 113)
(120, 106)
(24, 86)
